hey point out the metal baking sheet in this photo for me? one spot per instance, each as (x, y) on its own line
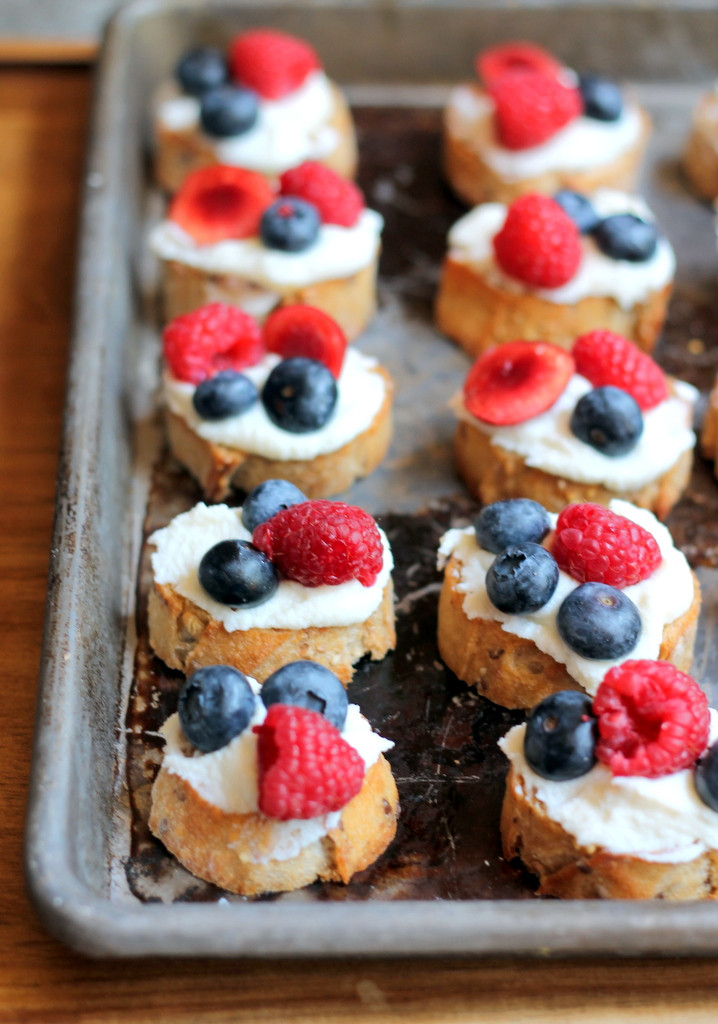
(98, 879)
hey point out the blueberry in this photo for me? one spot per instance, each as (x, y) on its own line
(201, 69)
(579, 209)
(236, 573)
(706, 777)
(560, 738)
(599, 622)
(511, 522)
(308, 685)
(624, 236)
(267, 499)
(608, 419)
(522, 578)
(228, 393)
(601, 97)
(228, 111)
(300, 395)
(290, 224)
(215, 705)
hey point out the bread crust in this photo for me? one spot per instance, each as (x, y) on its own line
(215, 845)
(491, 473)
(700, 159)
(475, 182)
(178, 152)
(479, 315)
(570, 871)
(512, 671)
(709, 430)
(185, 637)
(219, 469)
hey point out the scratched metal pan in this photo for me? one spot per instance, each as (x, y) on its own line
(98, 879)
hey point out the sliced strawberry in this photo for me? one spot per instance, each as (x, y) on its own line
(514, 382)
(272, 63)
(220, 202)
(497, 60)
(306, 331)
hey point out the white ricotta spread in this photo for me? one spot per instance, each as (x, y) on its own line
(661, 820)
(471, 238)
(361, 394)
(227, 778)
(664, 596)
(179, 548)
(287, 132)
(338, 252)
(546, 441)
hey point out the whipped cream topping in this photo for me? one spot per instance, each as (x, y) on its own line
(661, 820)
(228, 778)
(361, 392)
(287, 132)
(663, 597)
(546, 441)
(337, 252)
(179, 548)
(471, 238)
(583, 143)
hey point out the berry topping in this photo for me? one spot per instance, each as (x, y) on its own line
(338, 201)
(652, 719)
(234, 572)
(560, 737)
(515, 521)
(601, 97)
(539, 244)
(215, 705)
(306, 331)
(507, 57)
(300, 395)
(599, 622)
(593, 544)
(579, 209)
(603, 357)
(609, 420)
(516, 381)
(531, 107)
(623, 236)
(228, 111)
(305, 767)
(706, 778)
(267, 499)
(522, 578)
(290, 225)
(306, 684)
(216, 203)
(323, 542)
(201, 69)
(228, 393)
(270, 62)
(211, 339)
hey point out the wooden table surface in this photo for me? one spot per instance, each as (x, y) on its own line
(43, 117)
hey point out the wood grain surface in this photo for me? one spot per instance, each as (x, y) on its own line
(43, 115)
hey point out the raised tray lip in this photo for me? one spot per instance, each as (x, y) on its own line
(101, 926)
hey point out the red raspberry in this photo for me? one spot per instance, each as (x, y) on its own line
(652, 719)
(306, 331)
(531, 106)
(593, 544)
(497, 60)
(516, 381)
(539, 244)
(305, 767)
(322, 542)
(339, 201)
(219, 202)
(213, 338)
(270, 62)
(603, 357)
